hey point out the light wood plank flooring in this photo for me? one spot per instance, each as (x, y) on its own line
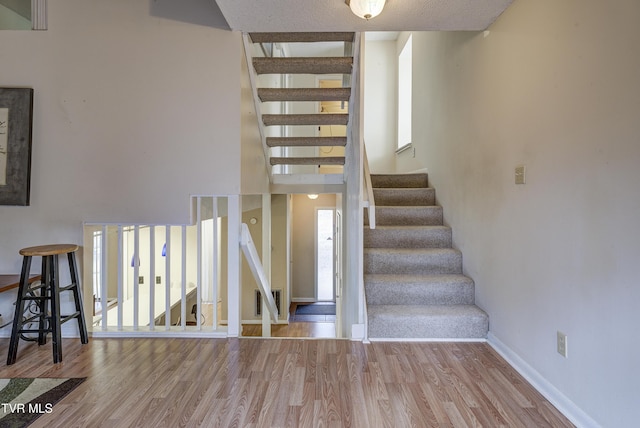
(284, 382)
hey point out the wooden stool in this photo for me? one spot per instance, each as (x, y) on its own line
(48, 291)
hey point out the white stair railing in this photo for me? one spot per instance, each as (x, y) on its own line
(368, 199)
(152, 278)
(251, 254)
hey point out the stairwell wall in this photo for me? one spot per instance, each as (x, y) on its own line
(552, 86)
(380, 75)
(133, 114)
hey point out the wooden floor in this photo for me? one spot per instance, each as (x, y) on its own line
(316, 326)
(284, 382)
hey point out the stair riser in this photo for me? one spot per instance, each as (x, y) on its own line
(407, 216)
(407, 238)
(398, 293)
(399, 181)
(412, 263)
(404, 197)
(415, 327)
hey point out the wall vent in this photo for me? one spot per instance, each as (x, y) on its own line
(276, 296)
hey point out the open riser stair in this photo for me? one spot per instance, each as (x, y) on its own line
(413, 277)
(289, 149)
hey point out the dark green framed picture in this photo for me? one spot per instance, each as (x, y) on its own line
(16, 123)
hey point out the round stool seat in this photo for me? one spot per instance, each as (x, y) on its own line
(48, 250)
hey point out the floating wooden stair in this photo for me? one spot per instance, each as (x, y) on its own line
(304, 94)
(305, 119)
(321, 160)
(305, 65)
(298, 148)
(300, 37)
(306, 141)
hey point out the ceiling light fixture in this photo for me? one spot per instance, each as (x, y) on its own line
(366, 9)
(312, 196)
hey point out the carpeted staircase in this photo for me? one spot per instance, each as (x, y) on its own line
(413, 278)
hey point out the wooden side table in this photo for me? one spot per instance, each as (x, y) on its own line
(10, 281)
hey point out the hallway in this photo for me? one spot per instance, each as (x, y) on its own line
(310, 326)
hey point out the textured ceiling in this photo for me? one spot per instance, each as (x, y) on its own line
(335, 15)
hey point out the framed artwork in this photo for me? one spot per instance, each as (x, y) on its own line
(16, 116)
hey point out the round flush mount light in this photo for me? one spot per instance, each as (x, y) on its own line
(312, 196)
(366, 9)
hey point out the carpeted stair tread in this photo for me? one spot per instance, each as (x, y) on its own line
(296, 37)
(304, 94)
(408, 237)
(387, 289)
(427, 321)
(306, 141)
(321, 160)
(399, 180)
(305, 119)
(412, 261)
(303, 65)
(388, 196)
(407, 216)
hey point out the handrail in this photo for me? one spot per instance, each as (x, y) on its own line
(251, 254)
(369, 200)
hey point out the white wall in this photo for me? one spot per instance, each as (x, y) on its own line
(380, 75)
(553, 86)
(133, 113)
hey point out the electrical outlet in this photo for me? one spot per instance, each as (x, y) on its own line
(562, 344)
(158, 279)
(141, 280)
(520, 174)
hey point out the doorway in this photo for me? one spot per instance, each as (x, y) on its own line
(324, 254)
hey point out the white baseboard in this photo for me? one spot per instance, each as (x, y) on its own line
(567, 407)
(420, 171)
(357, 331)
(422, 339)
(303, 300)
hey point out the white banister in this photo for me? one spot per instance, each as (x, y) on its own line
(183, 281)
(198, 260)
(136, 274)
(167, 288)
(369, 201)
(152, 274)
(251, 254)
(120, 278)
(103, 274)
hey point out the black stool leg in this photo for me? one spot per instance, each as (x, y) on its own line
(45, 290)
(17, 317)
(55, 310)
(77, 297)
